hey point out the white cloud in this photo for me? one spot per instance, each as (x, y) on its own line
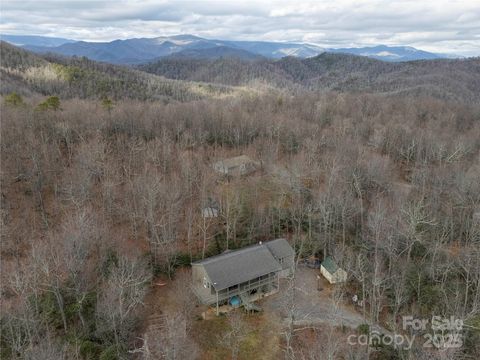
(435, 25)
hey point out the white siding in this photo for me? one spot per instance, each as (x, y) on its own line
(338, 277)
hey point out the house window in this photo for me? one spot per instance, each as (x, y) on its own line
(206, 283)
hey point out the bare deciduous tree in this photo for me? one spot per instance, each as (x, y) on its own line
(122, 296)
(233, 338)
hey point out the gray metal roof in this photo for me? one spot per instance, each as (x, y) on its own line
(238, 266)
(280, 248)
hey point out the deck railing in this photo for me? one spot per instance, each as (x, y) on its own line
(239, 289)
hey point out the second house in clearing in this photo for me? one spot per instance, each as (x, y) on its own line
(236, 166)
(249, 273)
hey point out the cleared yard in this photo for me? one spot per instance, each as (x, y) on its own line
(168, 297)
(263, 331)
(313, 306)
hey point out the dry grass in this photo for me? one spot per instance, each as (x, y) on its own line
(261, 342)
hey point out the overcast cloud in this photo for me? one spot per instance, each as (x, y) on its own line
(448, 26)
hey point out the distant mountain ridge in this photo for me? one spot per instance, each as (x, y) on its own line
(143, 50)
(185, 78)
(390, 53)
(34, 40)
(216, 52)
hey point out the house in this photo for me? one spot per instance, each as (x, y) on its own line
(246, 274)
(211, 210)
(332, 272)
(236, 166)
(476, 217)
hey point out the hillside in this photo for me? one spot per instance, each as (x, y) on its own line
(103, 212)
(216, 53)
(239, 180)
(457, 80)
(26, 73)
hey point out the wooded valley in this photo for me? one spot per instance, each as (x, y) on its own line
(105, 172)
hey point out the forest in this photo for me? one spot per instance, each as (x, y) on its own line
(457, 80)
(105, 171)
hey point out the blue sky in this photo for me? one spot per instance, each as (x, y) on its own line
(448, 26)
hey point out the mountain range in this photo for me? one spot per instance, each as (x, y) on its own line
(34, 40)
(455, 79)
(390, 53)
(186, 78)
(145, 50)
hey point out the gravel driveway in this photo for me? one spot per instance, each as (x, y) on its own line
(313, 307)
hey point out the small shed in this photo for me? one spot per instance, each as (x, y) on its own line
(236, 166)
(332, 272)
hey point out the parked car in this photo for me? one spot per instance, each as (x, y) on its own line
(312, 262)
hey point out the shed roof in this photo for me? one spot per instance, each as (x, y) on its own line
(330, 265)
(238, 266)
